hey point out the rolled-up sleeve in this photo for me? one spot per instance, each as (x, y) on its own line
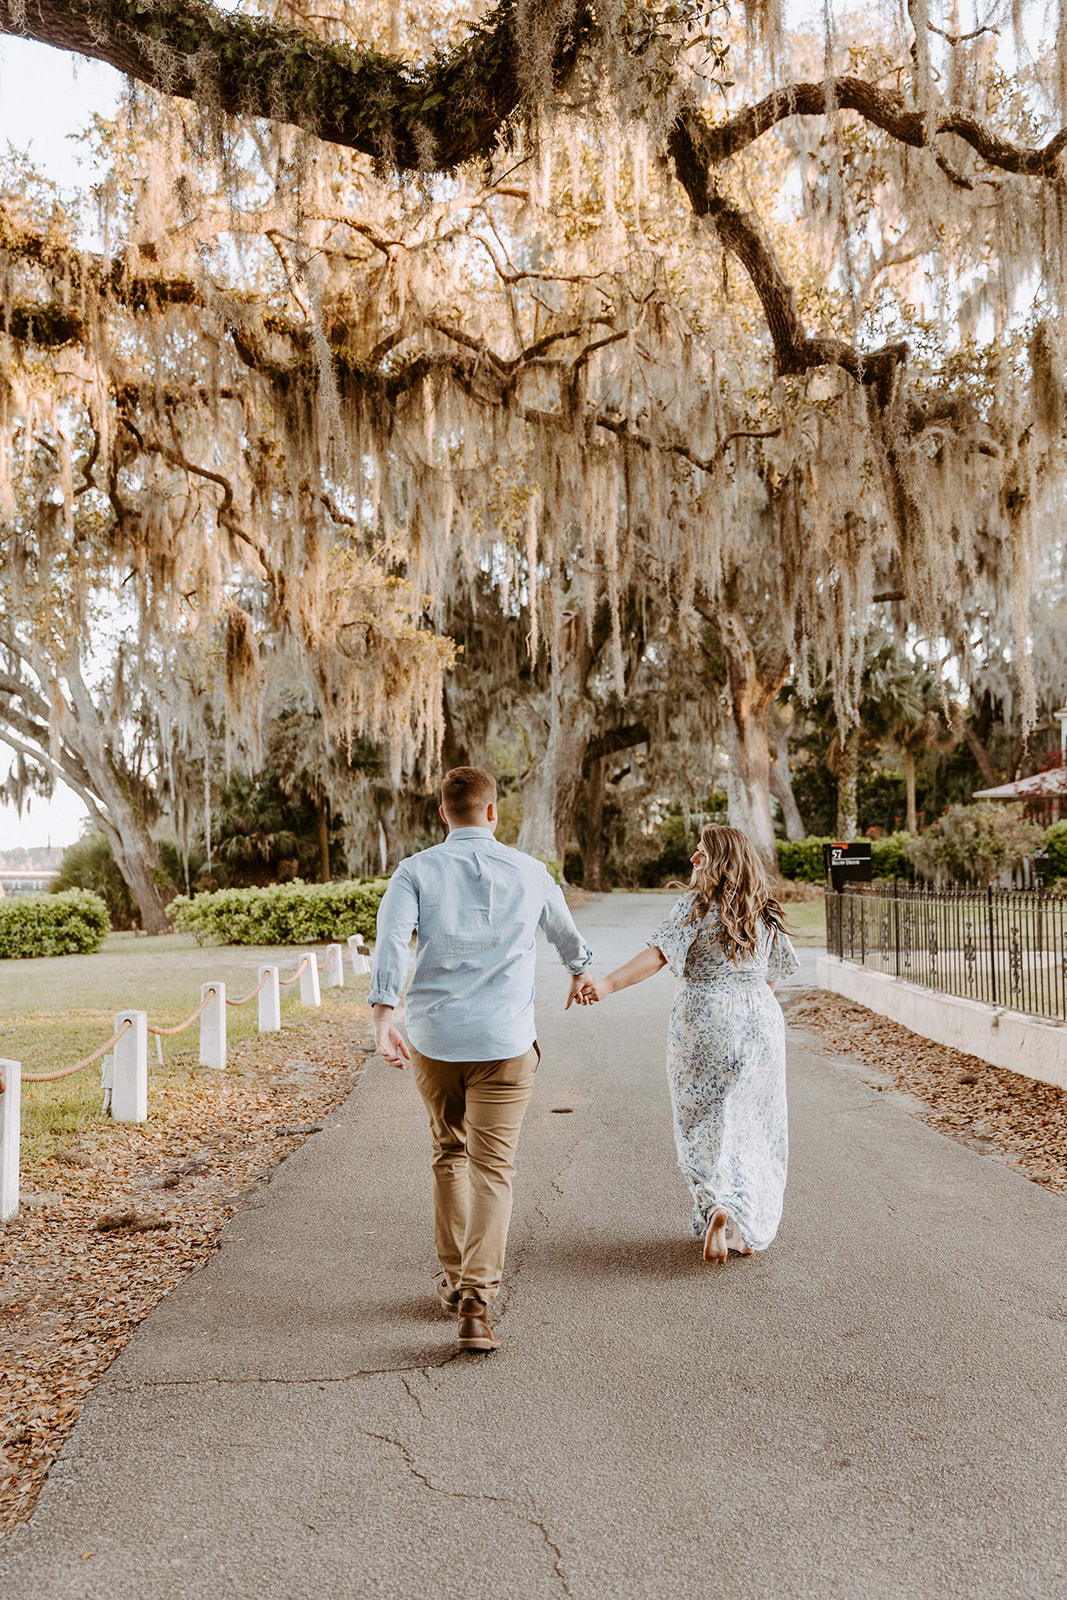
(558, 927)
(398, 917)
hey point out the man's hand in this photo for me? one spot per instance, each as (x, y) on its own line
(389, 1041)
(574, 994)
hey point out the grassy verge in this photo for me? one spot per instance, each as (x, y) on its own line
(57, 1010)
(806, 920)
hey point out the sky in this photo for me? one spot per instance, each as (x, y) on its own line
(45, 97)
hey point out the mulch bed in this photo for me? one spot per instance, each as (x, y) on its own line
(122, 1213)
(1002, 1113)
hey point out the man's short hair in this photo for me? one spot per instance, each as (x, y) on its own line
(466, 792)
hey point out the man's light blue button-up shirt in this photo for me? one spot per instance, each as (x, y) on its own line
(476, 905)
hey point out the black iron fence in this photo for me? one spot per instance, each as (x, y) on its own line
(1006, 947)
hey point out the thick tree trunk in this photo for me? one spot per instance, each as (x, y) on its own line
(551, 789)
(911, 821)
(554, 782)
(322, 816)
(591, 827)
(751, 690)
(136, 855)
(748, 783)
(847, 772)
(782, 778)
(136, 852)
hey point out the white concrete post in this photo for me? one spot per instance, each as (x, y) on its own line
(10, 1129)
(360, 955)
(334, 976)
(213, 1027)
(270, 1002)
(309, 980)
(129, 1084)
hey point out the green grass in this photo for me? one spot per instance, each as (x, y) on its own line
(58, 1009)
(806, 920)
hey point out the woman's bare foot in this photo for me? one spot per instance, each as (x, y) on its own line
(735, 1242)
(715, 1237)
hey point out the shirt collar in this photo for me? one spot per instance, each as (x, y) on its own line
(470, 833)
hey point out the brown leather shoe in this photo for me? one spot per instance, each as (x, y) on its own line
(449, 1298)
(474, 1331)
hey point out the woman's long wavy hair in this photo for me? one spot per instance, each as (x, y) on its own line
(733, 877)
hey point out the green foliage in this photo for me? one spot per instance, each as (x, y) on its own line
(802, 859)
(889, 856)
(975, 844)
(260, 831)
(90, 864)
(553, 867)
(281, 913)
(72, 923)
(1056, 846)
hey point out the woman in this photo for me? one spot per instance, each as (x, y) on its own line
(725, 941)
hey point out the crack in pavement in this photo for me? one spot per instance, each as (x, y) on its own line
(414, 1397)
(534, 1518)
(320, 1379)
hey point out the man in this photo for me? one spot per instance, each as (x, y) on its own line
(476, 906)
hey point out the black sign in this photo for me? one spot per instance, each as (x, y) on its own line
(847, 863)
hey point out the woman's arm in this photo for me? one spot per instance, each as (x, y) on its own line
(642, 966)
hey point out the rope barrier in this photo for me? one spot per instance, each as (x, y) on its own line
(68, 1072)
(163, 1033)
(251, 995)
(296, 974)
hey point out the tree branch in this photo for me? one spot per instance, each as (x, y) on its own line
(432, 117)
(692, 145)
(614, 740)
(886, 109)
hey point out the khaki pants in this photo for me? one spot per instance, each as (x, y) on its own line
(476, 1110)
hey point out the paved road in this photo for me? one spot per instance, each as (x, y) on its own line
(875, 1408)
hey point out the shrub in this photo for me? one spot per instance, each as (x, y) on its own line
(1056, 846)
(975, 844)
(889, 856)
(72, 923)
(802, 859)
(281, 913)
(90, 863)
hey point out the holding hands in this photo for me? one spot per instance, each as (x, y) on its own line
(587, 991)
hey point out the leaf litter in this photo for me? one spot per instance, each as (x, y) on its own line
(1002, 1113)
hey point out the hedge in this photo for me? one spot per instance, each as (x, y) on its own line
(282, 913)
(802, 859)
(1056, 847)
(73, 923)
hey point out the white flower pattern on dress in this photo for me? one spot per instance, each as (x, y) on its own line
(726, 1072)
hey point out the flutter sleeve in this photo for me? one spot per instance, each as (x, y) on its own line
(676, 933)
(781, 959)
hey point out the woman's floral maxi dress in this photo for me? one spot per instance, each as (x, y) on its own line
(726, 1071)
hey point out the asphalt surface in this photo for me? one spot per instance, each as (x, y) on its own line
(875, 1407)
